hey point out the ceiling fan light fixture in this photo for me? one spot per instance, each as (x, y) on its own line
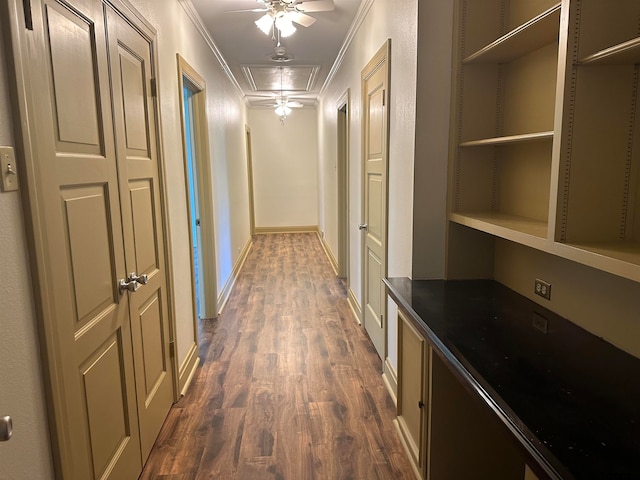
(282, 111)
(265, 23)
(283, 23)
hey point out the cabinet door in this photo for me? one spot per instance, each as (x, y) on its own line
(466, 438)
(412, 391)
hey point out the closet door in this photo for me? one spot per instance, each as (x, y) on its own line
(136, 150)
(79, 232)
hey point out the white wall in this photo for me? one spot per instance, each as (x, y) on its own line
(285, 168)
(398, 21)
(28, 455)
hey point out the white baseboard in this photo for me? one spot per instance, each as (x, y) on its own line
(292, 229)
(188, 369)
(390, 379)
(231, 281)
(355, 306)
(327, 251)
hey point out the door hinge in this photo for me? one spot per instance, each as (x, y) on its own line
(172, 349)
(384, 96)
(382, 320)
(28, 18)
(154, 88)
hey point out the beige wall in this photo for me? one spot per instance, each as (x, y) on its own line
(398, 21)
(27, 455)
(285, 168)
(605, 305)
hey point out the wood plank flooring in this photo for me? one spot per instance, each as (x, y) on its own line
(290, 386)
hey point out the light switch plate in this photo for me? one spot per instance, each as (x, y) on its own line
(8, 169)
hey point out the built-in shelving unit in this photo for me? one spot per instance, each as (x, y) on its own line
(598, 203)
(546, 143)
(505, 104)
(528, 37)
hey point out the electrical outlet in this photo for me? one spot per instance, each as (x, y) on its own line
(540, 323)
(542, 289)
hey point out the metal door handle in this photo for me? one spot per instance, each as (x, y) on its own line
(131, 286)
(6, 428)
(141, 279)
(363, 226)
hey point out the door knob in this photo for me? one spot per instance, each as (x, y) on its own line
(6, 428)
(141, 279)
(363, 226)
(131, 286)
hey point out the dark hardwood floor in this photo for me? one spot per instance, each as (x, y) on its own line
(289, 386)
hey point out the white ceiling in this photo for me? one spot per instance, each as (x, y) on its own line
(245, 49)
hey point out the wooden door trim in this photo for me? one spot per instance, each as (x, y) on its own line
(343, 185)
(252, 210)
(381, 56)
(197, 84)
(24, 108)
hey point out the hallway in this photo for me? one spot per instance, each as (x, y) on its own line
(289, 385)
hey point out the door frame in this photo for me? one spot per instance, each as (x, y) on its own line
(189, 77)
(381, 56)
(252, 211)
(15, 18)
(343, 113)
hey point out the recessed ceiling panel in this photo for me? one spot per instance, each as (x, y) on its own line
(298, 78)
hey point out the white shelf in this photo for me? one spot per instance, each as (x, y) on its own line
(526, 231)
(526, 38)
(524, 138)
(620, 258)
(626, 53)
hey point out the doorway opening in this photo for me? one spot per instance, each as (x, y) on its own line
(194, 199)
(343, 188)
(198, 180)
(252, 212)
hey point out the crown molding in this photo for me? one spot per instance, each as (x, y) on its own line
(195, 18)
(365, 6)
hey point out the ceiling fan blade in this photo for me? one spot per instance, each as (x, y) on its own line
(301, 19)
(253, 10)
(315, 6)
(294, 104)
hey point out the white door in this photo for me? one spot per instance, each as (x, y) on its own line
(374, 226)
(96, 217)
(140, 196)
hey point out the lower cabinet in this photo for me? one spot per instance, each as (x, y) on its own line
(448, 432)
(413, 391)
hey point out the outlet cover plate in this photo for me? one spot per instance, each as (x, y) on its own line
(542, 289)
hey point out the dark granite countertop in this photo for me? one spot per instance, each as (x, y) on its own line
(571, 399)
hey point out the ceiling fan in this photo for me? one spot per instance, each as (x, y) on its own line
(281, 14)
(282, 104)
